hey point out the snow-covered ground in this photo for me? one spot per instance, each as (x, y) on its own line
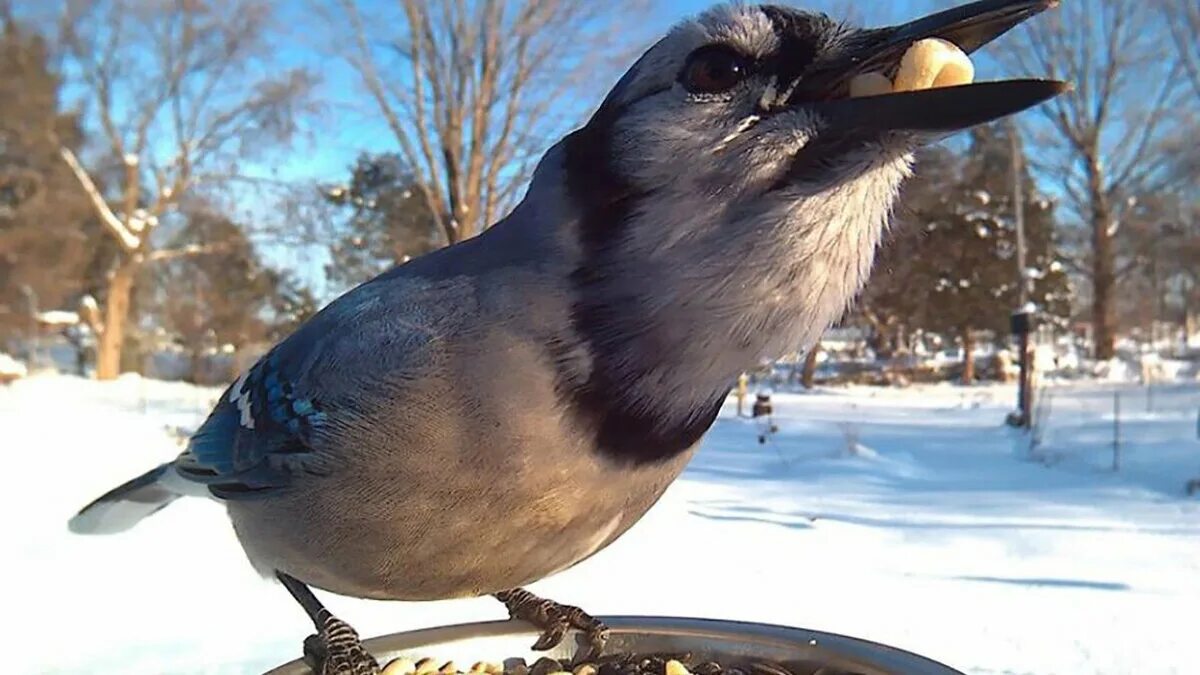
(11, 368)
(935, 535)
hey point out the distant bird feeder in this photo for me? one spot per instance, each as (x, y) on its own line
(764, 412)
(762, 406)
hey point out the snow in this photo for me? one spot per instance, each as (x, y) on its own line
(11, 367)
(58, 317)
(912, 517)
(141, 219)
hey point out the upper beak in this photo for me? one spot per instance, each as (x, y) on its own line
(931, 111)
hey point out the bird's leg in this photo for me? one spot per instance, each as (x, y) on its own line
(335, 649)
(554, 620)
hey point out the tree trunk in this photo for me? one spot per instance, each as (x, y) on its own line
(810, 368)
(968, 341)
(116, 313)
(1189, 294)
(1103, 275)
(1103, 285)
(197, 366)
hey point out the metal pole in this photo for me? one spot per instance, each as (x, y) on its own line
(1116, 466)
(1024, 388)
(1019, 213)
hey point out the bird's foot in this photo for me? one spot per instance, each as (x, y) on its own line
(336, 650)
(555, 620)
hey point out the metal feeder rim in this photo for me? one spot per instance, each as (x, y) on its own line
(877, 657)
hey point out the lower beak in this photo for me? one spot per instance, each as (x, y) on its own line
(938, 111)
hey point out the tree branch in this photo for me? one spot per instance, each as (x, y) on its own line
(473, 92)
(187, 251)
(128, 240)
(364, 64)
(89, 311)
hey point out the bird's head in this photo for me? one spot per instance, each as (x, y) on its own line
(744, 101)
(731, 175)
(729, 193)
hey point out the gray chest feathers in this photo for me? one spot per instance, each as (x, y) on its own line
(693, 296)
(480, 489)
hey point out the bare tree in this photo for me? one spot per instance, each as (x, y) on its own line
(182, 92)
(474, 90)
(213, 300)
(808, 373)
(1183, 18)
(1104, 142)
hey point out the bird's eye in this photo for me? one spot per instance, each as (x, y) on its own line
(714, 69)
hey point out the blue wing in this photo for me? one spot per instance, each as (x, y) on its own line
(259, 435)
(281, 419)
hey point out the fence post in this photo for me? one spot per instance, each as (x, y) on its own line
(741, 391)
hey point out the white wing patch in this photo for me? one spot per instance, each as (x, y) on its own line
(242, 400)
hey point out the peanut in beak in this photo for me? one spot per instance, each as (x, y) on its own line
(927, 64)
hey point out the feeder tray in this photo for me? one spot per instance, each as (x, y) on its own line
(750, 648)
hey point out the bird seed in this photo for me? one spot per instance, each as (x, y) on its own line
(618, 664)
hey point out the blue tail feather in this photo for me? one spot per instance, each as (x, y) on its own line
(125, 505)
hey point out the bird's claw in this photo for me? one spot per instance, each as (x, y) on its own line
(553, 632)
(336, 650)
(555, 620)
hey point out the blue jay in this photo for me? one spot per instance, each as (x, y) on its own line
(525, 396)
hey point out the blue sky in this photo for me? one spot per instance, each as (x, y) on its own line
(349, 126)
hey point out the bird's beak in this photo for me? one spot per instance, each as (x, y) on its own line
(929, 112)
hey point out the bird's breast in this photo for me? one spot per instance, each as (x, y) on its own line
(457, 490)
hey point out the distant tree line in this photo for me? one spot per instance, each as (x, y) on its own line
(950, 267)
(117, 221)
(121, 200)
(126, 199)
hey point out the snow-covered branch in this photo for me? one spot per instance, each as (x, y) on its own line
(186, 251)
(128, 239)
(89, 311)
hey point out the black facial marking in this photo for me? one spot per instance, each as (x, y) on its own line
(623, 432)
(822, 161)
(603, 196)
(801, 39)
